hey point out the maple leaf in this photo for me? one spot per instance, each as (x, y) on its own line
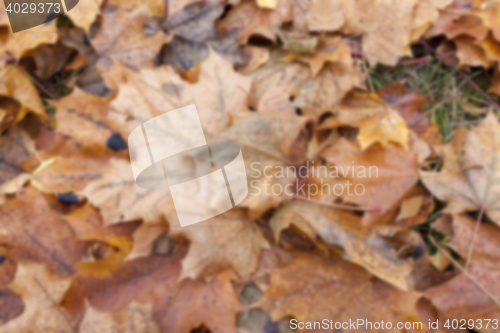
(219, 94)
(331, 50)
(67, 174)
(85, 14)
(362, 245)
(15, 84)
(376, 121)
(177, 306)
(470, 297)
(394, 171)
(469, 177)
(16, 45)
(228, 240)
(41, 292)
(119, 199)
(250, 19)
(195, 34)
(136, 317)
(155, 6)
(84, 118)
(42, 236)
(409, 105)
(120, 30)
(15, 148)
(325, 289)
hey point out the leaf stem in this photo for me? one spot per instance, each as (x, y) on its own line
(467, 274)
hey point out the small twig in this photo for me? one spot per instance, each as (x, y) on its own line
(165, 12)
(462, 74)
(340, 206)
(36, 83)
(468, 275)
(415, 61)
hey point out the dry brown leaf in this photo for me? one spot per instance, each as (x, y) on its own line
(135, 318)
(334, 50)
(15, 84)
(178, 306)
(154, 6)
(469, 53)
(469, 177)
(83, 118)
(410, 106)
(15, 148)
(119, 31)
(384, 25)
(17, 44)
(228, 240)
(460, 297)
(219, 94)
(272, 141)
(37, 233)
(275, 100)
(85, 14)
(375, 252)
(249, 19)
(376, 120)
(324, 92)
(311, 288)
(255, 57)
(323, 15)
(288, 77)
(41, 293)
(67, 174)
(119, 199)
(384, 174)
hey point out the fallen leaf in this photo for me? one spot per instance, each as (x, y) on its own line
(135, 318)
(324, 92)
(194, 34)
(228, 240)
(84, 118)
(384, 25)
(327, 287)
(460, 298)
(85, 14)
(377, 177)
(15, 84)
(410, 106)
(334, 50)
(467, 180)
(119, 199)
(361, 245)
(15, 148)
(219, 94)
(376, 121)
(28, 39)
(120, 30)
(37, 233)
(41, 292)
